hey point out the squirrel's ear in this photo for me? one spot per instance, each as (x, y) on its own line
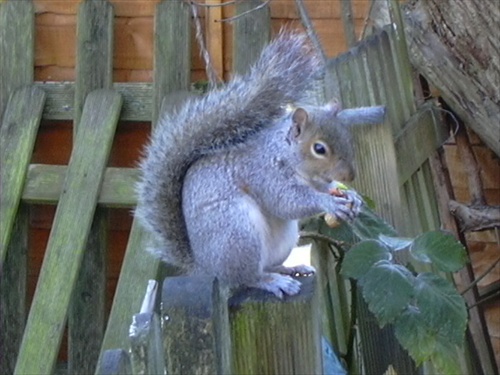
(299, 121)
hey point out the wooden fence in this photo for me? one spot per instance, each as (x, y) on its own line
(392, 165)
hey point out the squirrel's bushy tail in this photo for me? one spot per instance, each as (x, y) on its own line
(285, 70)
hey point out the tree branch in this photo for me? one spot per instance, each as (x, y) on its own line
(472, 218)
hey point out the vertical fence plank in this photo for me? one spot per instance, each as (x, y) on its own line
(376, 159)
(172, 58)
(94, 69)
(379, 178)
(391, 82)
(94, 51)
(334, 301)
(251, 32)
(17, 47)
(68, 237)
(215, 35)
(17, 50)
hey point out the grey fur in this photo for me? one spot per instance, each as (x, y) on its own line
(362, 115)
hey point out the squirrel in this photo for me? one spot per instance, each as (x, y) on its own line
(227, 176)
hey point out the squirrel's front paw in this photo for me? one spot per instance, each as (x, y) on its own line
(278, 284)
(347, 206)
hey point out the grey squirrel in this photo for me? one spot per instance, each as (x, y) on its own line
(227, 176)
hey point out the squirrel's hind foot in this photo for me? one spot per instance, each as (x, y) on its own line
(278, 284)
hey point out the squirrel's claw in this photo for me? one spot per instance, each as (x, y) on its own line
(299, 270)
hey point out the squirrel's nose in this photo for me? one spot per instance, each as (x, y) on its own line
(344, 172)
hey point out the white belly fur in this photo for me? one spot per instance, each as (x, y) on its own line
(278, 236)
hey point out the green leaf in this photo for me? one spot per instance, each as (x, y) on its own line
(424, 344)
(362, 256)
(388, 289)
(441, 306)
(343, 233)
(396, 243)
(446, 358)
(412, 333)
(366, 226)
(440, 249)
(369, 226)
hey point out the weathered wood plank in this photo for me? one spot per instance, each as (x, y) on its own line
(17, 47)
(214, 30)
(94, 51)
(172, 59)
(44, 185)
(69, 234)
(137, 100)
(265, 332)
(375, 153)
(421, 135)
(400, 55)
(86, 315)
(195, 326)
(17, 50)
(333, 299)
(115, 362)
(13, 282)
(94, 70)
(137, 268)
(251, 33)
(399, 106)
(146, 345)
(17, 139)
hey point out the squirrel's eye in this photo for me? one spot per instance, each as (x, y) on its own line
(319, 149)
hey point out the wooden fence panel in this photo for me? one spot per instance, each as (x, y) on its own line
(69, 234)
(392, 167)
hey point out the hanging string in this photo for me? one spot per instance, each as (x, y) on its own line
(213, 78)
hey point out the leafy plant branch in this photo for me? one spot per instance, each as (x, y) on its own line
(428, 314)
